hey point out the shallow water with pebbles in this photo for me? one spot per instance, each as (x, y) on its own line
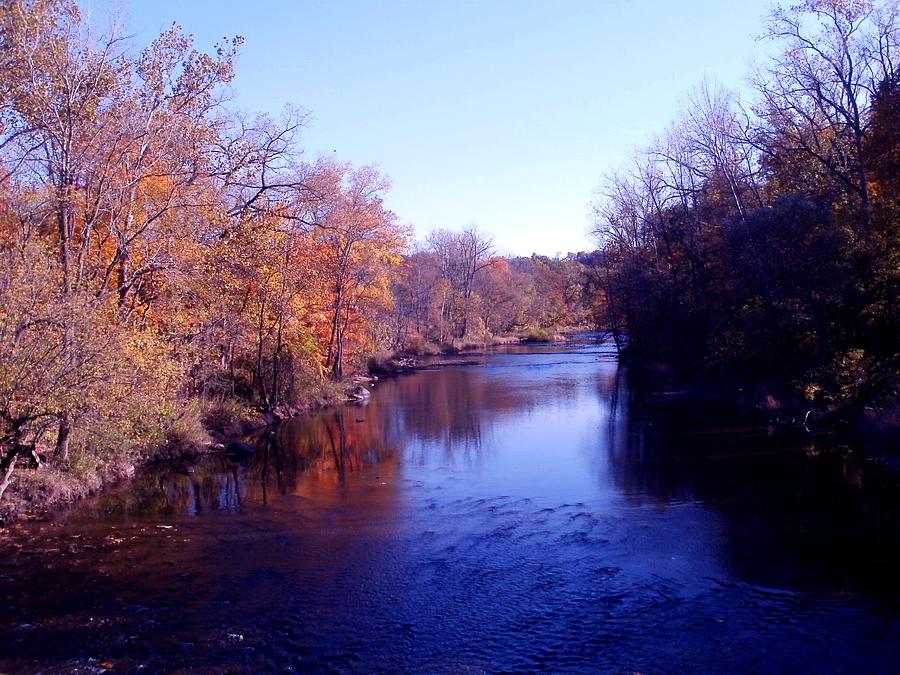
(531, 512)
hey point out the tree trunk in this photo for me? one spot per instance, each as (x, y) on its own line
(65, 234)
(62, 440)
(122, 279)
(260, 379)
(275, 357)
(331, 355)
(7, 466)
(231, 367)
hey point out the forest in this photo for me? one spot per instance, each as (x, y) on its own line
(755, 241)
(170, 265)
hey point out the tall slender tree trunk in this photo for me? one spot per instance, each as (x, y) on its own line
(122, 278)
(231, 367)
(334, 355)
(275, 357)
(260, 379)
(64, 222)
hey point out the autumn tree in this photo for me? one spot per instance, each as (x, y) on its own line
(60, 357)
(358, 240)
(463, 255)
(416, 286)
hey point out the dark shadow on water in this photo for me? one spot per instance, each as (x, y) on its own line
(803, 512)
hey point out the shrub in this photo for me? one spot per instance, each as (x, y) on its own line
(537, 335)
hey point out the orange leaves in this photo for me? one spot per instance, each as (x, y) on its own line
(357, 242)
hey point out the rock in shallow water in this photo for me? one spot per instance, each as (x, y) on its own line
(360, 393)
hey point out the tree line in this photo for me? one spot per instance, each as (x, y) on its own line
(455, 291)
(757, 239)
(159, 247)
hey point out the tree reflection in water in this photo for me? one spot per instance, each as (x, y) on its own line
(802, 511)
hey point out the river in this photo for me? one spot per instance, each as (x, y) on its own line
(529, 512)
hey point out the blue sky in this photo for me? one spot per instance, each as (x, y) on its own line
(501, 113)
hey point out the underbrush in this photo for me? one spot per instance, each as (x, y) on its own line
(35, 490)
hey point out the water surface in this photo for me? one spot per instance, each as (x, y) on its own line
(531, 512)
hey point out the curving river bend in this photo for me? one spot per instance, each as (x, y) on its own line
(525, 513)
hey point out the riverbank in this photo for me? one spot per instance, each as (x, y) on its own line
(199, 428)
(435, 355)
(204, 427)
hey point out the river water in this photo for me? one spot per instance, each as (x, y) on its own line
(530, 512)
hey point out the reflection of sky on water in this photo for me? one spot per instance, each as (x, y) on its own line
(519, 425)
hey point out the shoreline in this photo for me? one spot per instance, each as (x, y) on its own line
(50, 487)
(409, 361)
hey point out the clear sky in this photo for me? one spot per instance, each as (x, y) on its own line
(502, 113)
